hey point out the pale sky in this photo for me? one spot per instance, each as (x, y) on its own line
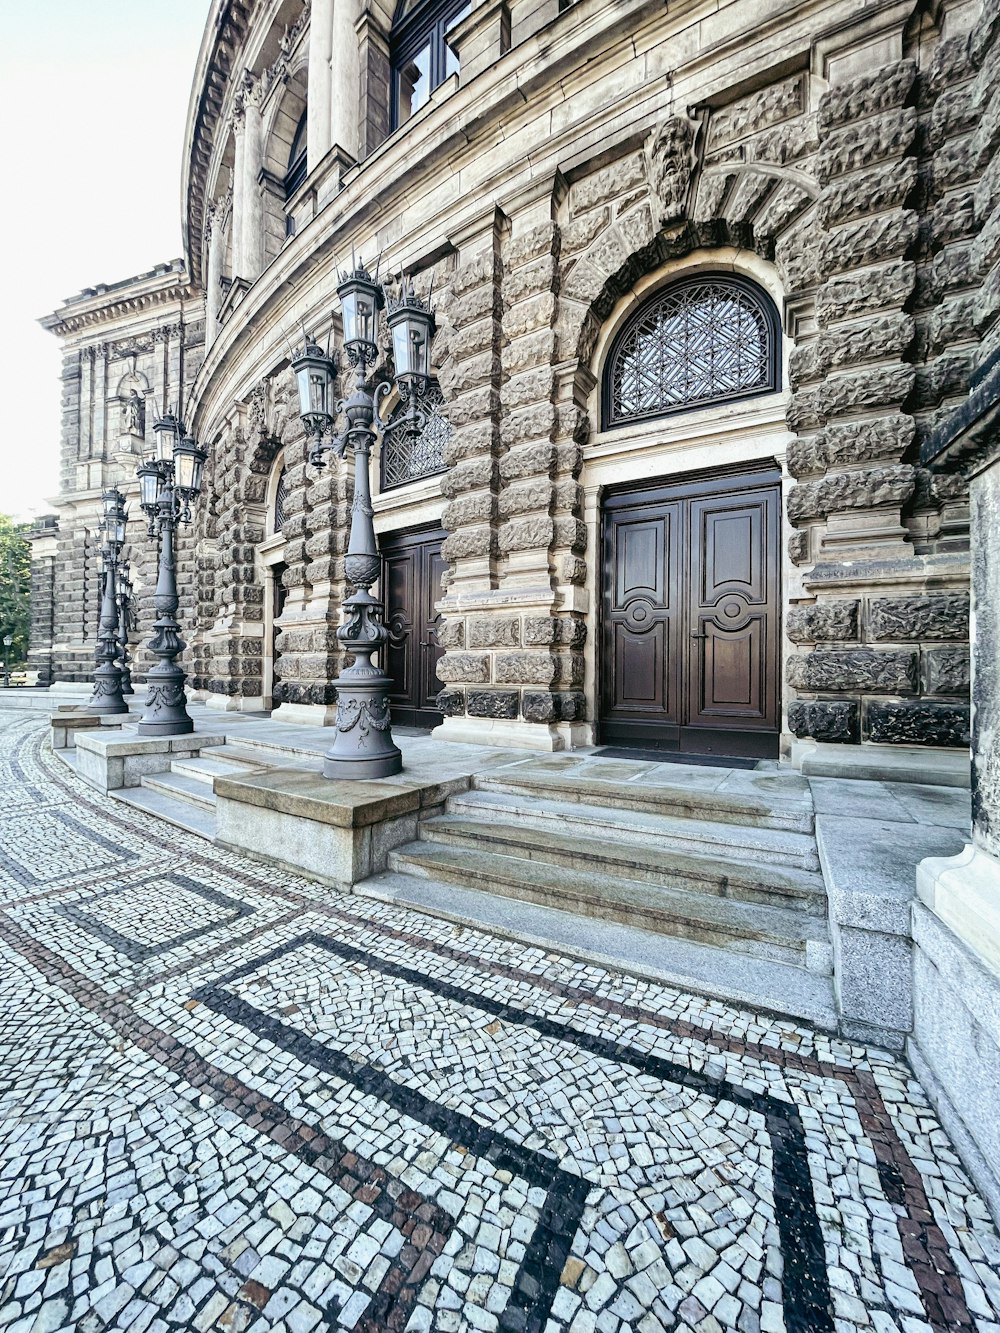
(93, 99)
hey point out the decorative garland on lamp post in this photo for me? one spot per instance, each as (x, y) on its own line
(168, 482)
(363, 747)
(107, 695)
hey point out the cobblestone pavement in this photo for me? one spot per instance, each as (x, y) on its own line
(234, 1099)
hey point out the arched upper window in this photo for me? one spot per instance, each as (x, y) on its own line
(421, 56)
(407, 457)
(709, 338)
(280, 491)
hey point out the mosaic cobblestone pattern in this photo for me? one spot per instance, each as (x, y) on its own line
(234, 1099)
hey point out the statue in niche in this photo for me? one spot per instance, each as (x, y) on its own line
(133, 415)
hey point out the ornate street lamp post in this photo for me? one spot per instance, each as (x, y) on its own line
(363, 747)
(126, 622)
(107, 695)
(168, 482)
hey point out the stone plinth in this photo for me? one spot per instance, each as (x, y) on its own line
(124, 758)
(65, 723)
(339, 832)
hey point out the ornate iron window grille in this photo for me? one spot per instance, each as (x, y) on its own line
(705, 339)
(406, 457)
(280, 492)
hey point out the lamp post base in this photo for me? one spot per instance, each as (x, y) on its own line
(363, 749)
(168, 727)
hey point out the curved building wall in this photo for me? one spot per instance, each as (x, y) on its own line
(582, 155)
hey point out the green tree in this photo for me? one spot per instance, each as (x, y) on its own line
(15, 586)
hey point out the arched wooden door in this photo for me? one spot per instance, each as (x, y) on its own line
(690, 648)
(412, 569)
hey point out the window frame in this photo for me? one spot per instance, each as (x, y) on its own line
(425, 25)
(747, 287)
(399, 413)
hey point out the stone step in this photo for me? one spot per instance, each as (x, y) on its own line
(646, 863)
(185, 814)
(180, 787)
(743, 842)
(206, 769)
(774, 933)
(735, 978)
(761, 810)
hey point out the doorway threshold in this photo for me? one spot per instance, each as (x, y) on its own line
(677, 757)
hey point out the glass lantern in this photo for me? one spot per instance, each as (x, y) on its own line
(150, 485)
(165, 432)
(189, 463)
(361, 300)
(314, 374)
(412, 327)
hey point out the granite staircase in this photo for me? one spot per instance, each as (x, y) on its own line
(720, 892)
(183, 794)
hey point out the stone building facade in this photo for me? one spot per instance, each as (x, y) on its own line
(129, 351)
(705, 283)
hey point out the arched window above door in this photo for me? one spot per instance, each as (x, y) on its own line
(710, 338)
(407, 457)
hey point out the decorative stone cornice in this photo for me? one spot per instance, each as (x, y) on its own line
(165, 285)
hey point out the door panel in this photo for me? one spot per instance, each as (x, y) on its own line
(690, 646)
(411, 581)
(641, 618)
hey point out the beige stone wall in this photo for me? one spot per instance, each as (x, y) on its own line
(842, 159)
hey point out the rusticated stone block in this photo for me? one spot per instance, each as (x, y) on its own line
(471, 475)
(868, 669)
(851, 490)
(527, 534)
(869, 240)
(492, 703)
(469, 543)
(494, 632)
(845, 442)
(531, 425)
(525, 668)
(861, 143)
(536, 276)
(578, 234)
(451, 703)
(855, 295)
(887, 186)
(880, 387)
(836, 721)
(939, 616)
(798, 547)
(531, 244)
(471, 668)
(882, 90)
(538, 707)
(534, 313)
(876, 339)
(528, 497)
(610, 183)
(469, 510)
(825, 620)
(919, 722)
(946, 671)
(451, 634)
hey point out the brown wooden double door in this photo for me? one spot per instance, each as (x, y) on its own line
(412, 568)
(690, 627)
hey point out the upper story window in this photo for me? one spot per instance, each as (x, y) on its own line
(280, 492)
(421, 56)
(709, 338)
(407, 457)
(296, 172)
